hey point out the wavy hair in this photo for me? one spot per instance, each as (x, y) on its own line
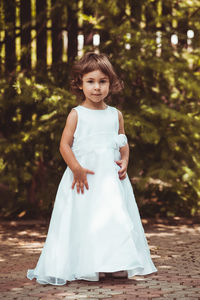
(88, 63)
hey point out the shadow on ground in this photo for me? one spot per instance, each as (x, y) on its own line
(174, 248)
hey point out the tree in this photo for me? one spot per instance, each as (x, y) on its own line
(72, 26)
(57, 9)
(25, 17)
(41, 7)
(160, 104)
(10, 57)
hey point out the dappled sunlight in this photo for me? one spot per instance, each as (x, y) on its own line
(165, 267)
(177, 248)
(16, 254)
(34, 247)
(160, 234)
(20, 241)
(2, 259)
(174, 250)
(154, 256)
(16, 289)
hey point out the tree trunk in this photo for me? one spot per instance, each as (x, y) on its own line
(41, 35)
(10, 49)
(57, 44)
(182, 31)
(72, 27)
(25, 16)
(166, 26)
(136, 12)
(87, 27)
(150, 12)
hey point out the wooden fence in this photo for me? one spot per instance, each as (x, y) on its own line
(43, 33)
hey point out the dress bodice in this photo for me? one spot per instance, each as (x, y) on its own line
(97, 129)
(96, 121)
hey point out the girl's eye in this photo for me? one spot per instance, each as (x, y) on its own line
(101, 81)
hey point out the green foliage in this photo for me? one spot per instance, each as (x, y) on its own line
(32, 122)
(160, 104)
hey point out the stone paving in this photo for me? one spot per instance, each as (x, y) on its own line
(175, 250)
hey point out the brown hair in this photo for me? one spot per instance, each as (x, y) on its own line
(90, 62)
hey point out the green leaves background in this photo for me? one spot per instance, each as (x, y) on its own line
(160, 104)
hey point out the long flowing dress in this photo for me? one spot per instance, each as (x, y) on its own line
(100, 230)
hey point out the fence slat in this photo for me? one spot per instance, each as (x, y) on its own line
(56, 22)
(10, 48)
(88, 27)
(72, 27)
(25, 17)
(166, 26)
(182, 31)
(149, 15)
(57, 43)
(136, 12)
(41, 12)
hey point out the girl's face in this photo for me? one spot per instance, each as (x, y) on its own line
(95, 86)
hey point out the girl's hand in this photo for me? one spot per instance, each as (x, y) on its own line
(123, 165)
(80, 179)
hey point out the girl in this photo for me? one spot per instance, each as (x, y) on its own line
(95, 225)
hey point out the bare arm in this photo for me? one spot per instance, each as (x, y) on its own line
(67, 141)
(80, 173)
(124, 151)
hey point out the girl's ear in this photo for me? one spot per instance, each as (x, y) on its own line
(81, 83)
(80, 86)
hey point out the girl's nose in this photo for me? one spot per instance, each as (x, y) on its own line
(97, 86)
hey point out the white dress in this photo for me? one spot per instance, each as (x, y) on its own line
(100, 230)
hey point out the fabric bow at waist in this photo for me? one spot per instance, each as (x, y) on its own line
(99, 141)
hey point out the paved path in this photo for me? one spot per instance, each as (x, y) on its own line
(175, 250)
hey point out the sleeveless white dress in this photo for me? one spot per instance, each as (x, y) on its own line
(100, 230)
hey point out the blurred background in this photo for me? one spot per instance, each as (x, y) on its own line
(154, 46)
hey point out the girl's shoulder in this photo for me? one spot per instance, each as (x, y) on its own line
(72, 117)
(75, 108)
(83, 108)
(116, 110)
(113, 108)
(75, 111)
(80, 109)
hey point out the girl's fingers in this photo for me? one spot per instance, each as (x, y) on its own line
(118, 162)
(82, 182)
(89, 171)
(82, 187)
(78, 187)
(122, 175)
(73, 184)
(86, 185)
(121, 171)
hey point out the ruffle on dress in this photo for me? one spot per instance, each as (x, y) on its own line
(102, 140)
(120, 140)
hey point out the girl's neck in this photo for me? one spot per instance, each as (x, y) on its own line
(98, 106)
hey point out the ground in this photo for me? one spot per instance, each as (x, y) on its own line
(174, 248)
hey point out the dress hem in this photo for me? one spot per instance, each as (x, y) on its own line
(31, 276)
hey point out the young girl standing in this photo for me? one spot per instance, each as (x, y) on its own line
(95, 225)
